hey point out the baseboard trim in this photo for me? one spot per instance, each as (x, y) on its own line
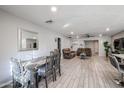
(4, 84)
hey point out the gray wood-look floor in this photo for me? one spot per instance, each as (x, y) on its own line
(95, 72)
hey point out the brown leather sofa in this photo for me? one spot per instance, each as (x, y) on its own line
(68, 54)
(80, 50)
(87, 51)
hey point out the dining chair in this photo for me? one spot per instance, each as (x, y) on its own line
(46, 70)
(20, 76)
(119, 67)
(57, 66)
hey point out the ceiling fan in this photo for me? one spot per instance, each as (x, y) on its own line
(88, 35)
(81, 36)
(49, 21)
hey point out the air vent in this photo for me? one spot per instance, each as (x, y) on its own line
(69, 37)
(49, 21)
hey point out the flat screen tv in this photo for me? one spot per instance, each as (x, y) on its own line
(123, 43)
(119, 44)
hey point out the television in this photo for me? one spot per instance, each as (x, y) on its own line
(123, 43)
(119, 44)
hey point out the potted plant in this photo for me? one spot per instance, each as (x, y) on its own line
(107, 47)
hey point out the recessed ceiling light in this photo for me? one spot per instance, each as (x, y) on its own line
(66, 25)
(107, 29)
(72, 33)
(100, 35)
(53, 9)
(77, 37)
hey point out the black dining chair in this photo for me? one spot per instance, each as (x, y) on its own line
(57, 66)
(46, 70)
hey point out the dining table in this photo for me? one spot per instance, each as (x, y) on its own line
(121, 56)
(33, 66)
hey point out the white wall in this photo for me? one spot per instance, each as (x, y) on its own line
(96, 46)
(77, 43)
(93, 45)
(100, 39)
(8, 42)
(101, 46)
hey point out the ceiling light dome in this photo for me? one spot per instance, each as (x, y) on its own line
(53, 9)
(66, 25)
(107, 29)
(77, 37)
(72, 33)
(100, 35)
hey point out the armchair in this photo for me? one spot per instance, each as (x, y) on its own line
(87, 51)
(80, 50)
(68, 54)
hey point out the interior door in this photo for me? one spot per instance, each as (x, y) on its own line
(59, 44)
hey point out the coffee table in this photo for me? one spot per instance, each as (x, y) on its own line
(82, 56)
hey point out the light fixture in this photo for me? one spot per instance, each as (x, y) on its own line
(53, 9)
(100, 35)
(107, 29)
(77, 37)
(49, 21)
(66, 25)
(34, 38)
(72, 33)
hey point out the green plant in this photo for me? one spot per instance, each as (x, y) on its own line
(107, 47)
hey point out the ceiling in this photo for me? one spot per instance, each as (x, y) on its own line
(82, 19)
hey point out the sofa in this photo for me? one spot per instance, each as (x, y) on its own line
(68, 54)
(87, 51)
(80, 50)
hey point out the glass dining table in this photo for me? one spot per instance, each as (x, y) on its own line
(33, 66)
(121, 56)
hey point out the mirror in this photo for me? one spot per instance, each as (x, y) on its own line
(27, 40)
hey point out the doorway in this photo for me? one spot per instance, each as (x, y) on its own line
(59, 44)
(94, 45)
